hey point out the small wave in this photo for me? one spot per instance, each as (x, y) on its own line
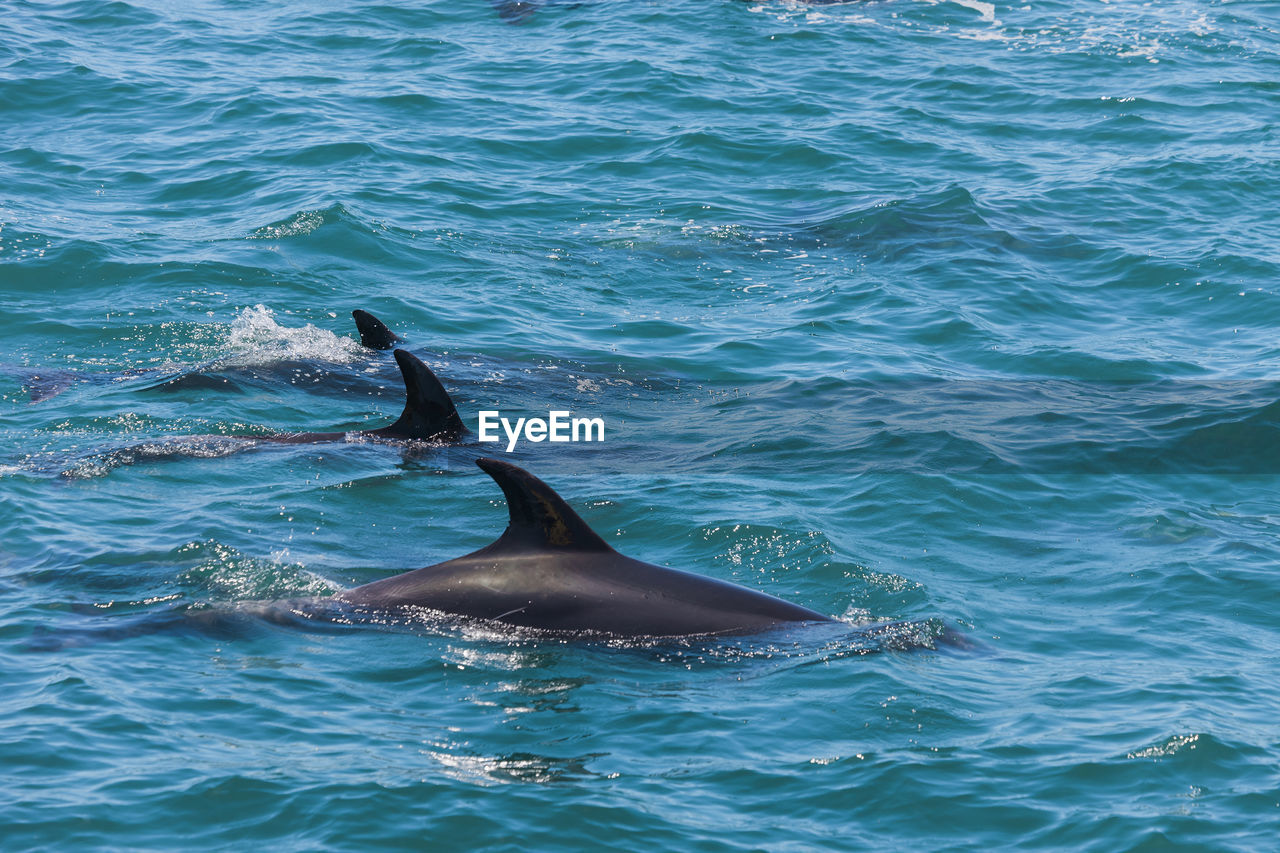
(222, 573)
(18, 246)
(1170, 746)
(301, 223)
(105, 15)
(942, 211)
(1203, 751)
(305, 222)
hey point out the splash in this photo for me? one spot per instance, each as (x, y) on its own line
(986, 10)
(256, 338)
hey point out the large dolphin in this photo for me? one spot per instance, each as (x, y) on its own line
(429, 413)
(549, 570)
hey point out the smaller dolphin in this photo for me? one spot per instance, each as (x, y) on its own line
(550, 570)
(374, 334)
(46, 383)
(429, 413)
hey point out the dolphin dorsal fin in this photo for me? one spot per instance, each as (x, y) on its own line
(374, 333)
(539, 517)
(429, 414)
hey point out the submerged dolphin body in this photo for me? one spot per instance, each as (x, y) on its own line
(45, 383)
(549, 570)
(429, 413)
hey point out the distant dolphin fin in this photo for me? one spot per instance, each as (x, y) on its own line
(514, 11)
(539, 517)
(429, 414)
(373, 332)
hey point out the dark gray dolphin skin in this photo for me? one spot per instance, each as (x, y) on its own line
(374, 334)
(429, 414)
(549, 570)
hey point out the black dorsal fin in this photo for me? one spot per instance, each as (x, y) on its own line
(429, 414)
(539, 517)
(373, 332)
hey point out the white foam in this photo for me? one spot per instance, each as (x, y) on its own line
(986, 10)
(256, 338)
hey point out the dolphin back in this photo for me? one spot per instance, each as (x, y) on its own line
(549, 570)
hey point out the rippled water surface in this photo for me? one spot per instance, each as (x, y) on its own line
(957, 316)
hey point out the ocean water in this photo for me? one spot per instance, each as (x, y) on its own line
(955, 317)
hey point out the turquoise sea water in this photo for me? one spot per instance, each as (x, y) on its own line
(950, 314)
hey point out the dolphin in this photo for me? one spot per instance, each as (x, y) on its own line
(374, 334)
(429, 413)
(45, 383)
(550, 570)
